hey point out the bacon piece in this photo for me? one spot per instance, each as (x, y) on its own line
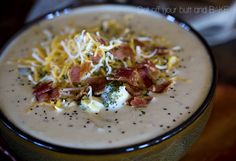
(140, 76)
(44, 97)
(137, 77)
(123, 51)
(125, 72)
(42, 88)
(54, 94)
(140, 101)
(133, 91)
(160, 88)
(130, 76)
(98, 84)
(45, 92)
(152, 71)
(149, 65)
(143, 72)
(85, 67)
(76, 72)
(136, 80)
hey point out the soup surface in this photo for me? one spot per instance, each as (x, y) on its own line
(74, 127)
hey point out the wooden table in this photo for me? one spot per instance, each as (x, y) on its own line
(218, 141)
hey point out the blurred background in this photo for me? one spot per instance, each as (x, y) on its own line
(216, 22)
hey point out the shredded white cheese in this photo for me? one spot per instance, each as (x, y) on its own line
(144, 39)
(161, 67)
(138, 53)
(150, 55)
(48, 34)
(35, 56)
(90, 92)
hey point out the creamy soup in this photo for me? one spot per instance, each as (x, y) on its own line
(73, 127)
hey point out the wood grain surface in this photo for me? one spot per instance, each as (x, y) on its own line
(218, 141)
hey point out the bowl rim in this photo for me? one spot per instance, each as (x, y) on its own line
(129, 148)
